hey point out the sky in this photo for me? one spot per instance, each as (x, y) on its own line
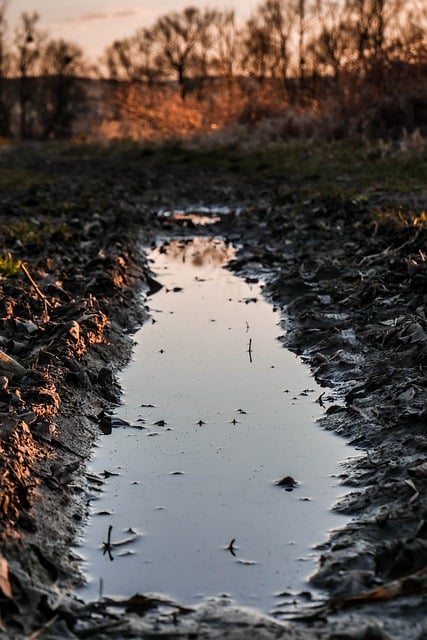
(95, 24)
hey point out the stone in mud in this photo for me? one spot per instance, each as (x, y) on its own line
(107, 423)
(72, 329)
(287, 482)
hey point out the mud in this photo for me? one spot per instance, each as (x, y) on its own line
(349, 275)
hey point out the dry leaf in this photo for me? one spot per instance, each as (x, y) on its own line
(413, 583)
(5, 585)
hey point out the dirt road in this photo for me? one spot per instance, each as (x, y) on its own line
(348, 268)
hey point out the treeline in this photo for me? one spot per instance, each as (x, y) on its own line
(39, 97)
(345, 56)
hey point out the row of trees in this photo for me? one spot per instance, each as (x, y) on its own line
(38, 92)
(302, 48)
(286, 40)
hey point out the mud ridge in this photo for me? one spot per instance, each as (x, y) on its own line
(350, 278)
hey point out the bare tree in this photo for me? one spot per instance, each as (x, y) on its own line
(6, 99)
(301, 18)
(148, 57)
(272, 35)
(61, 64)
(181, 38)
(376, 26)
(407, 33)
(226, 47)
(118, 60)
(256, 49)
(329, 47)
(28, 42)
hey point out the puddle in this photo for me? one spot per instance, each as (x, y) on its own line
(199, 215)
(218, 411)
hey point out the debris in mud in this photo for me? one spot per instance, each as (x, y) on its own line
(231, 547)
(108, 546)
(10, 368)
(287, 482)
(140, 604)
(61, 474)
(109, 422)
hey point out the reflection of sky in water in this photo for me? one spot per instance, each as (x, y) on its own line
(193, 364)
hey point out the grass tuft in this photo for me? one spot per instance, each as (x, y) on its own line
(9, 267)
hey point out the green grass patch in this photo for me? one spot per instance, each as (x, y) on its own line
(34, 232)
(311, 168)
(9, 266)
(307, 166)
(328, 167)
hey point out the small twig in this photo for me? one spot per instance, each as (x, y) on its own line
(231, 548)
(36, 287)
(45, 627)
(319, 400)
(107, 546)
(250, 350)
(389, 251)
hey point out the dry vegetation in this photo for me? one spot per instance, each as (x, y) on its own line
(325, 69)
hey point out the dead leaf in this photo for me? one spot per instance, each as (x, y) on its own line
(412, 584)
(5, 585)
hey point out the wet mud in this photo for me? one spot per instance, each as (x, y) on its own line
(349, 276)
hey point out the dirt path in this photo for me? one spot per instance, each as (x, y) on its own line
(348, 270)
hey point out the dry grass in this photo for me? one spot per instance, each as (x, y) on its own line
(251, 114)
(237, 115)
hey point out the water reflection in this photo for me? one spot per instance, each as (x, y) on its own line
(195, 218)
(198, 216)
(199, 252)
(202, 494)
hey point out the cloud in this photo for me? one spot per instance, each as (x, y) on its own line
(111, 14)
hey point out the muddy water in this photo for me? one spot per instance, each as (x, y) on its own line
(218, 411)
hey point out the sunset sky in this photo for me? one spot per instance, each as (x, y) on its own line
(94, 24)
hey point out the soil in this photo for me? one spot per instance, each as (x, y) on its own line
(349, 274)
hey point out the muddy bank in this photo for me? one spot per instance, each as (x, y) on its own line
(350, 276)
(351, 280)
